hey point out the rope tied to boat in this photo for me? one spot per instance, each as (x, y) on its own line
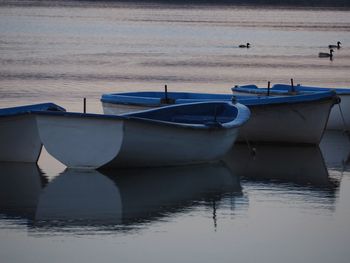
(346, 130)
(215, 122)
(251, 149)
(234, 99)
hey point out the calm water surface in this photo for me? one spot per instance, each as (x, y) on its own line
(281, 204)
(66, 53)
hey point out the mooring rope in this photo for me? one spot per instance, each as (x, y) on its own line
(344, 122)
(251, 149)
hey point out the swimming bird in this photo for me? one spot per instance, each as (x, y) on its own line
(326, 55)
(245, 46)
(335, 46)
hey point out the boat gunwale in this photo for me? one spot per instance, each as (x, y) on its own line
(29, 109)
(286, 89)
(245, 100)
(242, 116)
(339, 91)
(333, 97)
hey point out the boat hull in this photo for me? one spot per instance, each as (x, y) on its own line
(174, 135)
(80, 142)
(116, 109)
(292, 122)
(104, 143)
(297, 123)
(339, 118)
(151, 145)
(19, 139)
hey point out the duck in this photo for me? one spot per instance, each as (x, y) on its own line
(245, 46)
(335, 46)
(326, 55)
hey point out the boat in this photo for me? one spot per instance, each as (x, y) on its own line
(339, 118)
(274, 119)
(127, 102)
(172, 135)
(19, 138)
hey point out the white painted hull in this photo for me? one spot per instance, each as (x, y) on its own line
(117, 109)
(81, 142)
(336, 121)
(158, 145)
(19, 139)
(340, 111)
(301, 123)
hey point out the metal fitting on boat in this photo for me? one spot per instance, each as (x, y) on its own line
(234, 99)
(337, 99)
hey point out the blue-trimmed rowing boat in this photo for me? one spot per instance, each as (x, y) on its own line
(300, 119)
(19, 138)
(339, 118)
(172, 135)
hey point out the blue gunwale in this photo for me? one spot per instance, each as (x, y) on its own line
(28, 109)
(286, 89)
(198, 115)
(155, 99)
(339, 91)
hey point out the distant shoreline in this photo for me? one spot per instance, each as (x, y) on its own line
(343, 5)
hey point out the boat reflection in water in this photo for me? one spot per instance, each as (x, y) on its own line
(151, 193)
(81, 201)
(121, 199)
(335, 147)
(79, 197)
(292, 169)
(20, 189)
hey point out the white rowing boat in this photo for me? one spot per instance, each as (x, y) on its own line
(339, 118)
(300, 119)
(19, 138)
(173, 135)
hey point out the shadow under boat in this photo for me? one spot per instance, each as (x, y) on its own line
(20, 189)
(296, 166)
(130, 197)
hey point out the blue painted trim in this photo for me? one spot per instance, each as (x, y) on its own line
(299, 98)
(339, 91)
(252, 89)
(285, 89)
(27, 109)
(199, 115)
(155, 98)
(78, 114)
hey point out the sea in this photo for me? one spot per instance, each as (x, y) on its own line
(260, 203)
